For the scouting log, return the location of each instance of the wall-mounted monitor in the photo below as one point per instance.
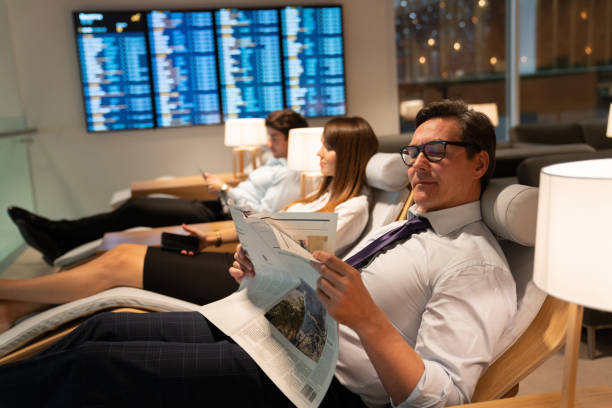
(165, 68)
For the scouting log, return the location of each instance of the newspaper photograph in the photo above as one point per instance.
(276, 316)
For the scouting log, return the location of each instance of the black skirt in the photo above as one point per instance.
(200, 279)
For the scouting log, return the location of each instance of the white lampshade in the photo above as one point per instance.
(609, 128)
(410, 108)
(489, 109)
(245, 132)
(573, 252)
(304, 143)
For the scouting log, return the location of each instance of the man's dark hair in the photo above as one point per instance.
(284, 120)
(476, 128)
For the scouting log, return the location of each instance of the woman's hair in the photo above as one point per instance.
(284, 120)
(354, 142)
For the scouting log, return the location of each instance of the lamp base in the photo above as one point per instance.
(238, 159)
(309, 181)
(572, 347)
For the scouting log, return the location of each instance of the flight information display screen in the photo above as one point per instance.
(250, 61)
(166, 68)
(182, 47)
(314, 60)
(115, 70)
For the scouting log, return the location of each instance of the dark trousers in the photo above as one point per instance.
(138, 211)
(153, 360)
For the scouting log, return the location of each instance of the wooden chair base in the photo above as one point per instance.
(49, 338)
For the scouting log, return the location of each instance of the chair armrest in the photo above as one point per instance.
(192, 187)
(152, 237)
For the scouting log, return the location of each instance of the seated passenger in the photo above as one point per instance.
(421, 307)
(268, 188)
(347, 146)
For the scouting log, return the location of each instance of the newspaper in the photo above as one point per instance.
(276, 316)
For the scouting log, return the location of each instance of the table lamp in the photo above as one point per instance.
(572, 250)
(410, 108)
(246, 136)
(489, 109)
(304, 143)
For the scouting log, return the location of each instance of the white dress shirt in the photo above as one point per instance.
(450, 294)
(268, 188)
(352, 217)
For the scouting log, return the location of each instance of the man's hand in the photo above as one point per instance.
(347, 300)
(213, 183)
(343, 293)
(242, 266)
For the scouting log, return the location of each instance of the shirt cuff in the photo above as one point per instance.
(431, 390)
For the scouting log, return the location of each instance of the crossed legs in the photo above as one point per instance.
(155, 359)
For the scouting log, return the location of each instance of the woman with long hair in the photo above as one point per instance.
(347, 146)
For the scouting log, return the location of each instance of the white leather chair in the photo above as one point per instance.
(503, 210)
(538, 328)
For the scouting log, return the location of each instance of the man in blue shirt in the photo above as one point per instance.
(268, 188)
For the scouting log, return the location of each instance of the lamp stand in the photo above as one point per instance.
(308, 182)
(238, 159)
(572, 347)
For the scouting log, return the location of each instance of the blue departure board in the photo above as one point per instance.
(314, 60)
(115, 70)
(167, 68)
(250, 62)
(184, 68)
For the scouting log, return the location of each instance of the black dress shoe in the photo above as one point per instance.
(39, 240)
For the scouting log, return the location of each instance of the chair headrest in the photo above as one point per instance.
(510, 211)
(387, 171)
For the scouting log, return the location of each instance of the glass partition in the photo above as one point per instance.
(565, 61)
(15, 179)
(450, 49)
(457, 49)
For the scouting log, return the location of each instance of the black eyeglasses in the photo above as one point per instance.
(433, 151)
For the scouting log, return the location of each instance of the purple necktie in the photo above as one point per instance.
(404, 231)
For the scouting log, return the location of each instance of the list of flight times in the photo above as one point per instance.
(314, 60)
(250, 61)
(182, 48)
(115, 70)
(161, 68)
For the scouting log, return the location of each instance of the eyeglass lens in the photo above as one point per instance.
(433, 151)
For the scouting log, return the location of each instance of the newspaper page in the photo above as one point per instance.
(276, 316)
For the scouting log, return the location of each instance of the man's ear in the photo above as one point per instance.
(481, 163)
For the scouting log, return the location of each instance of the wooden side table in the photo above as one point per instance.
(152, 237)
(591, 397)
(192, 187)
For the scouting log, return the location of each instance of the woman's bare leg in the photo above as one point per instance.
(121, 266)
(11, 310)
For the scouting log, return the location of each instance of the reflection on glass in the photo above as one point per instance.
(457, 50)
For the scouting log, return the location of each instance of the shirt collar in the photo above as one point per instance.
(273, 161)
(445, 221)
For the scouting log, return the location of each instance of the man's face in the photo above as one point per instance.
(277, 143)
(452, 181)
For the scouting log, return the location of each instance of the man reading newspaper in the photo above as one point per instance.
(420, 307)
(276, 317)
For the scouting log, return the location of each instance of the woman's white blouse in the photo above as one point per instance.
(352, 217)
